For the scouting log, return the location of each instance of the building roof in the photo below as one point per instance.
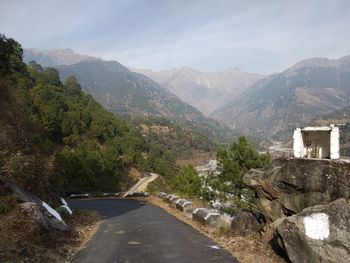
(326, 128)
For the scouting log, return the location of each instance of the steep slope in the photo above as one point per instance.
(56, 138)
(54, 57)
(273, 106)
(134, 95)
(124, 92)
(183, 138)
(206, 91)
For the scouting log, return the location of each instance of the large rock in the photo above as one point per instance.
(294, 184)
(43, 216)
(244, 223)
(36, 210)
(21, 196)
(32, 211)
(318, 234)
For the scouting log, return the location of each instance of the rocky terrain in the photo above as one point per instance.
(319, 233)
(33, 231)
(306, 202)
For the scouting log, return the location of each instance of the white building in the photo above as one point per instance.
(316, 142)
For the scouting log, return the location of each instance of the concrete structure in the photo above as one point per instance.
(316, 142)
(168, 198)
(163, 195)
(184, 205)
(173, 201)
(207, 217)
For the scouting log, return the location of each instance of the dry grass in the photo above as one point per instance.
(197, 158)
(21, 240)
(254, 248)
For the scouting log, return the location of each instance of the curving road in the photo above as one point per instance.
(142, 184)
(136, 232)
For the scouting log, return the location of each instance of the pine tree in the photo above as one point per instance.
(233, 164)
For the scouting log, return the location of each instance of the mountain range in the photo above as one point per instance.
(115, 86)
(54, 57)
(207, 91)
(251, 104)
(136, 96)
(275, 105)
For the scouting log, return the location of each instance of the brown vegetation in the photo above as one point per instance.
(21, 240)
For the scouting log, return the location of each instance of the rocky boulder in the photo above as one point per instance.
(291, 185)
(244, 223)
(36, 209)
(32, 211)
(44, 215)
(318, 234)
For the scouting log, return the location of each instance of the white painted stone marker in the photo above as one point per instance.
(52, 211)
(317, 226)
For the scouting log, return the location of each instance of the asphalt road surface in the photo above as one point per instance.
(133, 231)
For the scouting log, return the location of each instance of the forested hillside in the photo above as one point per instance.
(178, 137)
(124, 92)
(136, 96)
(54, 136)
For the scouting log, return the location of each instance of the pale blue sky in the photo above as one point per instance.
(255, 36)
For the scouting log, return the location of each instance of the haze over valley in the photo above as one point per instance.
(175, 131)
(256, 105)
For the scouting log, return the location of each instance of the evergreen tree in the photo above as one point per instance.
(233, 164)
(187, 182)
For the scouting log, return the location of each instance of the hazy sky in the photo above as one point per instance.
(256, 36)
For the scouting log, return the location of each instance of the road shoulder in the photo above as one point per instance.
(254, 248)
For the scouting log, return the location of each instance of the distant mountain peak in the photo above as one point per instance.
(54, 57)
(275, 105)
(51, 51)
(320, 62)
(203, 89)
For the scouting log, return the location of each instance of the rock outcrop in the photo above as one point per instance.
(43, 216)
(36, 210)
(318, 234)
(294, 184)
(244, 223)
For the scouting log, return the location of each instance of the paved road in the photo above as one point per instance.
(133, 231)
(142, 184)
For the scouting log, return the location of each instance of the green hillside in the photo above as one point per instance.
(136, 96)
(54, 136)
